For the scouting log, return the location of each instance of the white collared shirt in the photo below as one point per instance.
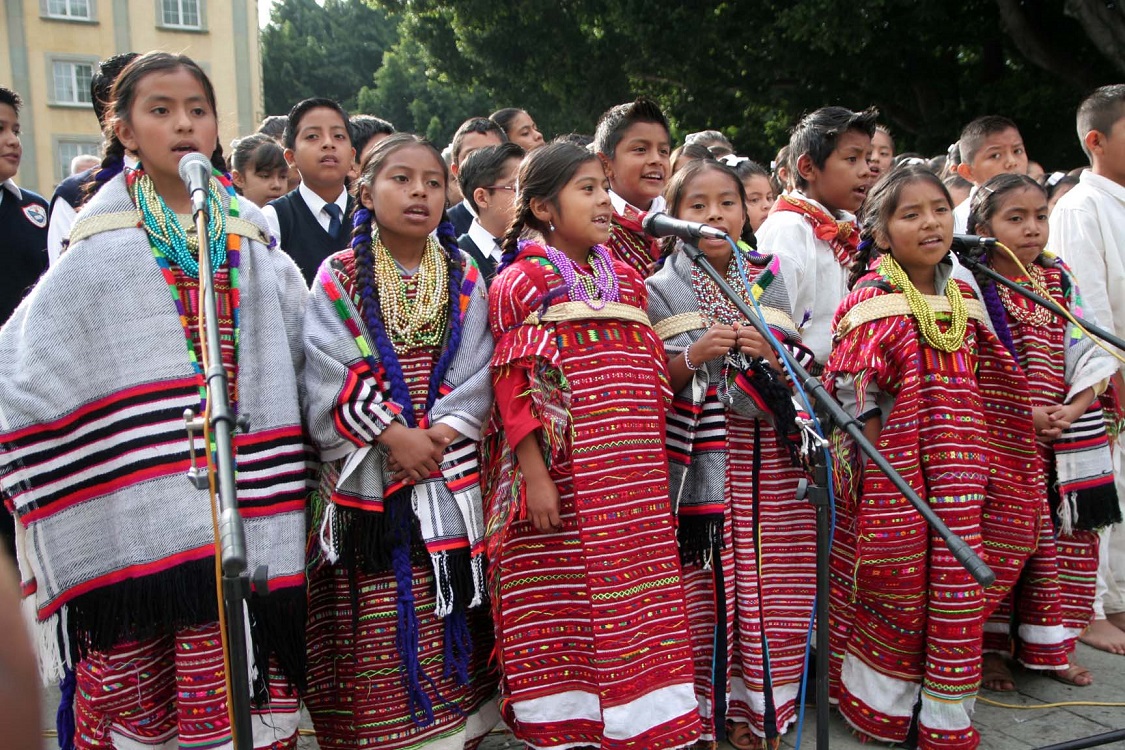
(816, 281)
(1088, 232)
(961, 213)
(59, 225)
(10, 186)
(484, 240)
(619, 204)
(316, 205)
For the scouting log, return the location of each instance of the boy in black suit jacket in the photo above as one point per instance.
(474, 133)
(488, 179)
(312, 222)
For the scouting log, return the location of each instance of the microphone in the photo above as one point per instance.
(660, 224)
(195, 171)
(970, 248)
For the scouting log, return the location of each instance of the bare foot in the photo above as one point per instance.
(1074, 674)
(1117, 619)
(1104, 636)
(995, 674)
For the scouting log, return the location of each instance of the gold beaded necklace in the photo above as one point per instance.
(419, 321)
(949, 341)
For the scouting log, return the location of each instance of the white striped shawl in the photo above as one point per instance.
(349, 406)
(694, 474)
(1083, 464)
(94, 380)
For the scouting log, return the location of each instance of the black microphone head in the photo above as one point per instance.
(191, 163)
(648, 219)
(969, 247)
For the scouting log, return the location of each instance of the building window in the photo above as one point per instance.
(72, 82)
(181, 14)
(70, 10)
(66, 150)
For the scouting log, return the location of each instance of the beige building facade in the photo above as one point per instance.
(52, 47)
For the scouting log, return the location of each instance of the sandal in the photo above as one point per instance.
(995, 674)
(741, 738)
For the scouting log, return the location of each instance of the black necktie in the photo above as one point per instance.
(334, 216)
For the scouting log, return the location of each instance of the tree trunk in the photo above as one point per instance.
(1104, 23)
(1037, 47)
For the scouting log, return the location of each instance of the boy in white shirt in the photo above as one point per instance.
(634, 143)
(1088, 232)
(813, 227)
(488, 181)
(989, 146)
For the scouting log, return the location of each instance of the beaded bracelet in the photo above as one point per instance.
(687, 360)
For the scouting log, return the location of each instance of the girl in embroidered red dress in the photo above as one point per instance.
(946, 404)
(586, 593)
(1066, 371)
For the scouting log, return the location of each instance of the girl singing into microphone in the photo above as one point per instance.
(943, 400)
(590, 618)
(748, 546)
(97, 368)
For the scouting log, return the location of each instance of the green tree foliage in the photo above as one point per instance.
(413, 91)
(752, 67)
(331, 51)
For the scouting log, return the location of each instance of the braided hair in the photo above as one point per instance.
(364, 222)
(398, 529)
(119, 110)
(543, 174)
(865, 253)
(881, 203)
(984, 205)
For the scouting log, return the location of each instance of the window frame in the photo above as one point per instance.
(52, 90)
(62, 170)
(47, 14)
(163, 23)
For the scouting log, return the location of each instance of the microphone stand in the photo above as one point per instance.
(830, 411)
(971, 253)
(218, 477)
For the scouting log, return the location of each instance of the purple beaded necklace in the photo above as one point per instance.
(595, 290)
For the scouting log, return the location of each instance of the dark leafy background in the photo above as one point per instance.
(749, 68)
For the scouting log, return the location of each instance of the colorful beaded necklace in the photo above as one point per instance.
(947, 341)
(594, 289)
(231, 253)
(417, 320)
(1027, 312)
(713, 304)
(165, 232)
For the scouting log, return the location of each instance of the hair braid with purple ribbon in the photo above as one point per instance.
(510, 244)
(372, 313)
(447, 236)
(998, 315)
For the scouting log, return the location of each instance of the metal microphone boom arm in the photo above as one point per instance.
(970, 252)
(836, 413)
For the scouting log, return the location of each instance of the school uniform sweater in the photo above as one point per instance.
(301, 234)
(461, 216)
(483, 249)
(23, 226)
